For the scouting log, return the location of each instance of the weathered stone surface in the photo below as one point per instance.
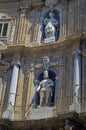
(41, 113)
(26, 16)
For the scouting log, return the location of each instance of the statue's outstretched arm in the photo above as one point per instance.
(38, 88)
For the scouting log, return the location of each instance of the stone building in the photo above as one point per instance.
(42, 64)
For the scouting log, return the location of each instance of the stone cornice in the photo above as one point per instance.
(30, 3)
(43, 122)
(36, 3)
(34, 48)
(9, 1)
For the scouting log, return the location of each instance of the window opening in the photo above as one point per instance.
(3, 29)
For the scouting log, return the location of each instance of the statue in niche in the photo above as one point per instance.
(45, 89)
(68, 125)
(51, 26)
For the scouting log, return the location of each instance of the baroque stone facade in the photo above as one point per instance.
(42, 65)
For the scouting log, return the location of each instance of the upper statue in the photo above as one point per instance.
(51, 24)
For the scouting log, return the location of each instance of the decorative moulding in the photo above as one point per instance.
(49, 3)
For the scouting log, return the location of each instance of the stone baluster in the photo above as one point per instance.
(9, 112)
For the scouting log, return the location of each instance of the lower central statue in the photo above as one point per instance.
(45, 89)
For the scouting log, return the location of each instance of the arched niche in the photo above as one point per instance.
(53, 75)
(45, 14)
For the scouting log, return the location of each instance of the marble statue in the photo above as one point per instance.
(68, 125)
(45, 89)
(51, 24)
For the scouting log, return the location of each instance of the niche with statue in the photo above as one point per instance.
(45, 86)
(50, 23)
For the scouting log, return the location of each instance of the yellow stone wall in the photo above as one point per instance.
(26, 17)
(27, 20)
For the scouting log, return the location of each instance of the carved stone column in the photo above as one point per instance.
(76, 82)
(9, 112)
(77, 77)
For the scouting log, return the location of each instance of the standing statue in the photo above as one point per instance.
(51, 25)
(68, 125)
(45, 88)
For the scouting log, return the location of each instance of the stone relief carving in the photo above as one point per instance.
(46, 62)
(4, 65)
(49, 3)
(59, 61)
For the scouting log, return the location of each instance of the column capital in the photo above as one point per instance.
(77, 51)
(32, 66)
(16, 60)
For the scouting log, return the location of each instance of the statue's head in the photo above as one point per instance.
(66, 121)
(51, 14)
(45, 74)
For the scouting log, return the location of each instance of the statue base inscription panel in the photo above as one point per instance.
(41, 113)
(48, 40)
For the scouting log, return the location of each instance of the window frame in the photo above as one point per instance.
(6, 39)
(2, 29)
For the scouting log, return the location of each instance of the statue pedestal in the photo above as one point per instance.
(75, 107)
(48, 40)
(8, 114)
(41, 113)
